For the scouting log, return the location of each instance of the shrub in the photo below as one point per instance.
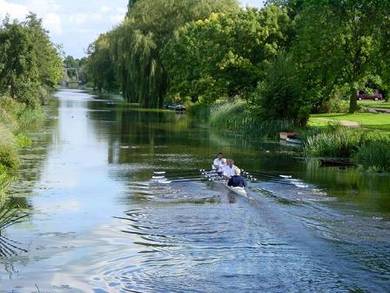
(198, 110)
(335, 105)
(279, 96)
(23, 140)
(30, 118)
(9, 157)
(374, 156)
(4, 181)
(230, 115)
(335, 141)
(368, 149)
(236, 116)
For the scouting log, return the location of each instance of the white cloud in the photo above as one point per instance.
(47, 10)
(13, 10)
(52, 21)
(81, 19)
(252, 3)
(105, 9)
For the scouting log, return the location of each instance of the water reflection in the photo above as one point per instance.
(98, 222)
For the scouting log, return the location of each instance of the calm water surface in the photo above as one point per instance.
(97, 222)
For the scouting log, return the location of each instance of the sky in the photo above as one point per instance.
(75, 24)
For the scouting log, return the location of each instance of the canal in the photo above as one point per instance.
(97, 221)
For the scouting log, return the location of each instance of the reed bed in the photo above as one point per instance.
(369, 149)
(236, 117)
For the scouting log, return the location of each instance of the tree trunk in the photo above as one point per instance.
(353, 106)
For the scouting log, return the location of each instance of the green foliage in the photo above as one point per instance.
(129, 57)
(236, 116)
(8, 150)
(19, 117)
(229, 115)
(200, 111)
(334, 142)
(289, 59)
(5, 179)
(374, 155)
(334, 105)
(369, 149)
(15, 120)
(340, 43)
(279, 95)
(100, 65)
(224, 55)
(23, 140)
(28, 60)
(9, 157)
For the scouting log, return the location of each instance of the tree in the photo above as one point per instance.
(28, 60)
(338, 44)
(47, 55)
(225, 55)
(100, 65)
(135, 46)
(18, 68)
(280, 95)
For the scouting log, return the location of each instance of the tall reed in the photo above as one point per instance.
(236, 117)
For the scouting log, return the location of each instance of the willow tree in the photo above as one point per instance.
(137, 43)
(100, 66)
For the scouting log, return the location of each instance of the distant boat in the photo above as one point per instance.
(180, 108)
(290, 137)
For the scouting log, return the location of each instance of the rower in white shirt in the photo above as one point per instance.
(219, 163)
(228, 170)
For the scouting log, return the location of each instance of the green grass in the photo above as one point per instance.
(366, 120)
(375, 104)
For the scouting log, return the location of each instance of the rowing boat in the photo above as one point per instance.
(214, 177)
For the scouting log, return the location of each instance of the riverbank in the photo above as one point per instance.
(16, 120)
(363, 138)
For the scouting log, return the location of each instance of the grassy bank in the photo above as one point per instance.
(368, 149)
(16, 119)
(365, 120)
(365, 138)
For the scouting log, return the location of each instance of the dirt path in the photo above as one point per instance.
(346, 123)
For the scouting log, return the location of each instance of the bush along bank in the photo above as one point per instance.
(368, 149)
(16, 120)
(235, 116)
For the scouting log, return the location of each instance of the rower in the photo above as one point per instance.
(228, 170)
(236, 180)
(219, 163)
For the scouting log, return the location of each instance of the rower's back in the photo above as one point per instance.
(237, 180)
